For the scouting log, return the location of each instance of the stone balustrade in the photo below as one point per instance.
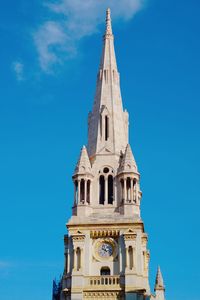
(103, 282)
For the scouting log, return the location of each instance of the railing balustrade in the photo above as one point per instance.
(103, 280)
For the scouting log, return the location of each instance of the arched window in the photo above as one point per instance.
(106, 128)
(110, 189)
(82, 190)
(101, 189)
(78, 256)
(130, 254)
(128, 185)
(105, 271)
(88, 191)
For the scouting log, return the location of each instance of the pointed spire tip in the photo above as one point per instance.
(108, 23)
(108, 11)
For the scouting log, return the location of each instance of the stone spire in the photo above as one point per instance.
(159, 284)
(83, 166)
(128, 164)
(108, 123)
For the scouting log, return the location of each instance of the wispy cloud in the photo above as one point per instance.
(58, 39)
(18, 68)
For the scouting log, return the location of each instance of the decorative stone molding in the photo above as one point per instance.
(78, 236)
(144, 240)
(146, 259)
(104, 233)
(103, 295)
(130, 235)
(98, 243)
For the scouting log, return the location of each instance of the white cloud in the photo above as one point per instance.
(18, 68)
(74, 19)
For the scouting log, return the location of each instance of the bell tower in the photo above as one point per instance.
(106, 253)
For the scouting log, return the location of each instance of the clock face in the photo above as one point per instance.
(105, 250)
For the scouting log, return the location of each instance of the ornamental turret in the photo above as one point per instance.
(82, 179)
(129, 179)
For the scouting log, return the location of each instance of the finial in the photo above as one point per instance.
(108, 22)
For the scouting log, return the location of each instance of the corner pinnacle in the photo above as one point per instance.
(159, 284)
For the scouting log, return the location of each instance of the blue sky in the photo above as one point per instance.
(50, 54)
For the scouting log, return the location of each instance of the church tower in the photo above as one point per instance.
(106, 254)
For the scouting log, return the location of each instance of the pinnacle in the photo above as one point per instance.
(159, 284)
(128, 163)
(83, 166)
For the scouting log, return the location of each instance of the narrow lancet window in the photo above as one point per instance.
(106, 128)
(78, 256)
(110, 189)
(82, 190)
(101, 189)
(130, 254)
(88, 191)
(128, 183)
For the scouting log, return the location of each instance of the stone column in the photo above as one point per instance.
(127, 258)
(125, 190)
(68, 261)
(81, 258)
(115, 189)
(85, 191)
(90, 192)
(79, 191)
(132, 190)
(75, 260)
(134, 263)
(75, 200)
(136, 192)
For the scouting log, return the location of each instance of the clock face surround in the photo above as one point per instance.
(105, 249)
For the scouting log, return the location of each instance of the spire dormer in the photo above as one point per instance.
(108, 123)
